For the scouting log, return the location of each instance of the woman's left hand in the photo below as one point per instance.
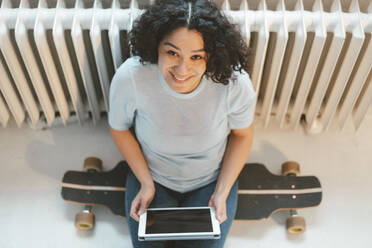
(218, 202)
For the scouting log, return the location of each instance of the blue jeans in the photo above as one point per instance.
(165, 197)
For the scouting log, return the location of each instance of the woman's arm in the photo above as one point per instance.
(130, 149)
(238, 148)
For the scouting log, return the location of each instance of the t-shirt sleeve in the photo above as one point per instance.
(240, 102)
(122, 99)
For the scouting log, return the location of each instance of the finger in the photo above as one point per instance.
(211, 201)
(134, 206)
(222, 220)
(134, 216)
(221, 213)
(142, 207)
(133, 210)
(222, 216)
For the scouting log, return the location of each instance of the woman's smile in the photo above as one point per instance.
(180, 79)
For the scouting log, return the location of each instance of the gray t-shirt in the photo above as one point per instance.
(182, 136)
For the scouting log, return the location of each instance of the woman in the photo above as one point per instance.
(187, 93)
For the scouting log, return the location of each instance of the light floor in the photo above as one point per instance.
(33, 214)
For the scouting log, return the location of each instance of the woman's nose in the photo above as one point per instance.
(182, 68)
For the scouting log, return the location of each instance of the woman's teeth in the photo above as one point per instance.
(181, 79)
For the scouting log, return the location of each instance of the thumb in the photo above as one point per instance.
(211, 202)
(142, 207)
(219, 214)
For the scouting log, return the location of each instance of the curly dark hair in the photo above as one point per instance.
(227, 51)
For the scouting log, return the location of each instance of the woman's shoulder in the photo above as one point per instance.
(240, 77)
(241, 82)
(134, 64)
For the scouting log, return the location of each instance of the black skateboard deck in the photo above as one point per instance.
(260, 192)
(97, 188)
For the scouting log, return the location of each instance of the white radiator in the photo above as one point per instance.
(307, 64)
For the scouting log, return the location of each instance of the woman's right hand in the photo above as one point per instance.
(142, 200)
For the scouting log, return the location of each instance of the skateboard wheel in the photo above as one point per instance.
(290, 168)
(93, 163)
(84, 220)
(296, 225)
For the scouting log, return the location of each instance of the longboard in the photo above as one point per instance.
(260, 192)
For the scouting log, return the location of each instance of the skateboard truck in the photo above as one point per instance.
(295, 224)
(84, 220)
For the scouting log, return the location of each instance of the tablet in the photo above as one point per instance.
(178, 224)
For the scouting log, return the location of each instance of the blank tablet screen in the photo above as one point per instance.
(178, 221)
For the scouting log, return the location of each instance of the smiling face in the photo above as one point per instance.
(182, 59)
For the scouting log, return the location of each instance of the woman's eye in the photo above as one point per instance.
(196, 57)
(171, 53)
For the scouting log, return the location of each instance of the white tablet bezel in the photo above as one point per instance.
(215, 234)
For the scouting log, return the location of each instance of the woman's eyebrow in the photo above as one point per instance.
(175, 47)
